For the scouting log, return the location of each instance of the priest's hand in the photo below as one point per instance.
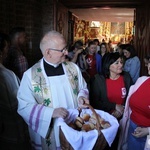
(81, 101)
(60, 112)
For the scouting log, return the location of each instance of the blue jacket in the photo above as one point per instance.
(98, 62)
(132, 65)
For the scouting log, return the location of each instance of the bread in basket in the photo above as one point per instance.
(94, 139)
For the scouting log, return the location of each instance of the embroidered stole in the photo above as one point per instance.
(42, 92)
(41, 88)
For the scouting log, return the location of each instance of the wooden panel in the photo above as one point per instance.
(99, 3)
(142, 34)
(62, 20)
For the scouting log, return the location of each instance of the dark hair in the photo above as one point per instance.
(91, 43)
(130, 48)
(122, 46)
(105, 44)
(109, 59)
(14, 31)
(78, 44)
(3, 39)
(96, 40)
(147, 57)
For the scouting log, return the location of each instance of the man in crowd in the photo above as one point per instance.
(16, 60)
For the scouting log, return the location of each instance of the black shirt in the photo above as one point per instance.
(53, 71)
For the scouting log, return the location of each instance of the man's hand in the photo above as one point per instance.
(60, 112)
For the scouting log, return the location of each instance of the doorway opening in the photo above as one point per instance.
(105, 23)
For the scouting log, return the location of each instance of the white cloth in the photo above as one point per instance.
(37, 116)
(86, 140)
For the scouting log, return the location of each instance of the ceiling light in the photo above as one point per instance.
(95, 24)
(106, 7)
(94, 8)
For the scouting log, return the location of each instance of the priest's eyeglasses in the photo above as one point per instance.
(62, 50)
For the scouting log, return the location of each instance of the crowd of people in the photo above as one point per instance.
(33, 98)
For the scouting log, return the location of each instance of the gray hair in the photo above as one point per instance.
(48, 39)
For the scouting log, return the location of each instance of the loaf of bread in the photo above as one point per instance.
(105, 124)
(86, 127)
(89, 122)
(79, 122)
(86, 117)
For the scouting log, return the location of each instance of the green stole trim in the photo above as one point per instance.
(41, 88)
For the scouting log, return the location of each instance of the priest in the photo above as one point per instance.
(48, 89)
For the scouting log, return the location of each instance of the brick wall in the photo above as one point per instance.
(37, 16)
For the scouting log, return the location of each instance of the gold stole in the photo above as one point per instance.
(41, 88)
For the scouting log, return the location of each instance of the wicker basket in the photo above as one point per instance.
(100, 143)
